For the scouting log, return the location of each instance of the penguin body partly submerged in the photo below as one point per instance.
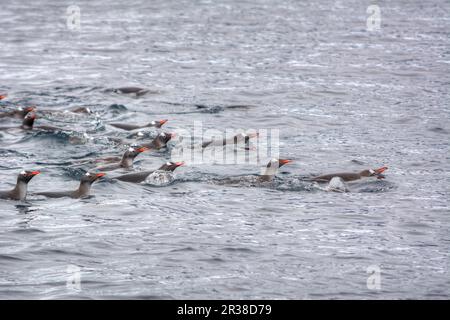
(351, 176)
(20, 190)
(83, 190)
(126, 161)
(138, 177)
(129, 127)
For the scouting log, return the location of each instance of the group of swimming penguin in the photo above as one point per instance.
(28, 116)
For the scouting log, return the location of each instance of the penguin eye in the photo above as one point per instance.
(23, 173)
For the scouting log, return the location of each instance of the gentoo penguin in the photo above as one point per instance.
(351, 176)
(239, 138)
(132, 91)
(20, 190)
(160, 141)
(18, 113)
(83, 190)
(127, 159)
(85, 110)
(141, 176)
(129, 127)
(267, 176)
(28, 124)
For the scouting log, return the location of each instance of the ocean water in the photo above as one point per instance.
(342, 96)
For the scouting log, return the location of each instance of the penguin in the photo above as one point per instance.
(131, 91)
(129, 127)
(18, 113)
(83, 190)
(20, 190)
(138, 177)
(351, 176)
(239, 138)
(28, 124)
(160, 141)
(267, 176)
(126, 161)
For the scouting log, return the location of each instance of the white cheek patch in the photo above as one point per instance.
(87, 174)
(371, 171)
(153, 122)
(130, 149)
(168, 163)
(23, 172)
(163, 134)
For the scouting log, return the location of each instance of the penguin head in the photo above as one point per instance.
(244, 137)
(158, 124)
(26, 110)
(277, 163)
(373, 172)
(133, 151)
(171, 166)
(28, 121)
(164, 137)
(26, 176)
(91, 177)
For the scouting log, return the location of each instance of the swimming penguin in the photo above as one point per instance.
(351, 176)
(239, 138)
(126, 161)
(138, 177)
(160, 141)
(84, 110)
(267, 176)
(20, 190)
(83, 190)
(132, 91)
(28, 124)
(129, 127)
(18, 113)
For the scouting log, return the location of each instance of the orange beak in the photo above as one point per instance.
(99, 175)
(142, 149)
(3, 96)
(380, 170)
(179, 163)
(285, 161)
(161, 122)
(34, 173)
(30, 109)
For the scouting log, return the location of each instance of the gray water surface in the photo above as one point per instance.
(343, 98)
